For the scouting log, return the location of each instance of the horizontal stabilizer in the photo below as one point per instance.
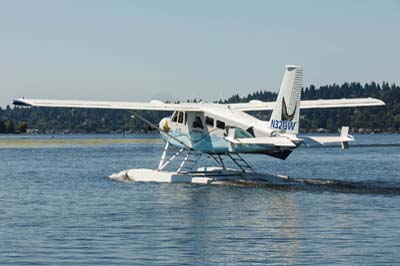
(344, 138)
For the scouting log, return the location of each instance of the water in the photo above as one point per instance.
(58, 207)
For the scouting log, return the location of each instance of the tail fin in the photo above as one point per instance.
(344, 135)
(285, 116)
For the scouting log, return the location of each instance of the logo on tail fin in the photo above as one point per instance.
(286, 119)
(285, 115)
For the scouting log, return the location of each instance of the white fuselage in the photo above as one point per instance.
(207, 131)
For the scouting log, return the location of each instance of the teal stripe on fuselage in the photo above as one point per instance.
(210, 143)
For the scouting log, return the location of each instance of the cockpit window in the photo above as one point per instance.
(175, 117)
(220, 124)
(197, 123)
(209, 121)
(180, 117)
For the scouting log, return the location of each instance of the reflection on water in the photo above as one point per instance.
(228, 225)
(59, 208)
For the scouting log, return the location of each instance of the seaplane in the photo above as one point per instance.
(224, 133)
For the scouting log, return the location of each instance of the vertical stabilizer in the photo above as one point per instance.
(344, 135)
(286, 113)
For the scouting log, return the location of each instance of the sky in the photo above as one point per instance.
(175, 50)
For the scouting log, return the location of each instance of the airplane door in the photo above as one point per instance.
(198, 131)
(196, 125)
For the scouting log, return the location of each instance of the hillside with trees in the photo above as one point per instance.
(368, 119)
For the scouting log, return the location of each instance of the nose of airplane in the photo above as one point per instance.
(164, 124)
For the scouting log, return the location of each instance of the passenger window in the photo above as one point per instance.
(209, 121)
(220, 124)
(197, 123)
(174, 117)
(180, 117)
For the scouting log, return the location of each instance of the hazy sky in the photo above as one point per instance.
(140, 50)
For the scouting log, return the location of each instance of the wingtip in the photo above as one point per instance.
(377, 102)
(20, 102)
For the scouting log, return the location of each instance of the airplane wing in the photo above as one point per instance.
(256, 105)
(152, 105)
(253, 105)
(355, 102)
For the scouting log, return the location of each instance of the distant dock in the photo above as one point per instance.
(54, 142)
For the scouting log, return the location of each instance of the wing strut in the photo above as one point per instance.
(160, 130)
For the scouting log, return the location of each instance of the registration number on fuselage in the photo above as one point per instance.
(285, 125)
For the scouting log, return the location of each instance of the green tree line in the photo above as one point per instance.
(366, 119)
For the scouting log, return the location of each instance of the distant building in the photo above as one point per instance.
(32, 131)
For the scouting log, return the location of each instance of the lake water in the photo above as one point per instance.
(58, 207)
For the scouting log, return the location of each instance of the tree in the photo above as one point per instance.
(22, 127)
(2, 127)
(9, 126)
(86, 120)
